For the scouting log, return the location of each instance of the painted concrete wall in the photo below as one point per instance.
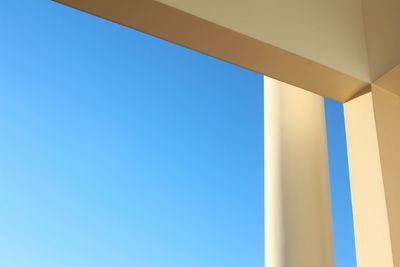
(298, 211)
(328, 32)
(373, 130)
(387, 116)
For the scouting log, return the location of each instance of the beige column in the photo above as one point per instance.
(373, 140)
(297, 197)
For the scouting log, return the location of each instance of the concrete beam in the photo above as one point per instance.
(197, 33)
(373, 130)
(297, 205)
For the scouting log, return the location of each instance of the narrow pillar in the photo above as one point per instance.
(297, 197)
(373, 141)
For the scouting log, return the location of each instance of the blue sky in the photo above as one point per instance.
(340, 186)
(120, 149)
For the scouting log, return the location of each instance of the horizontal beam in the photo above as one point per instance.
(187, 30)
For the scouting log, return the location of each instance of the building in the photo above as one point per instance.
(348, 51)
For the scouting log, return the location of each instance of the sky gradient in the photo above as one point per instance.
(120, 149)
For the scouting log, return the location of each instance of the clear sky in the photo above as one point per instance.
(340, 186)
(120, 149)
